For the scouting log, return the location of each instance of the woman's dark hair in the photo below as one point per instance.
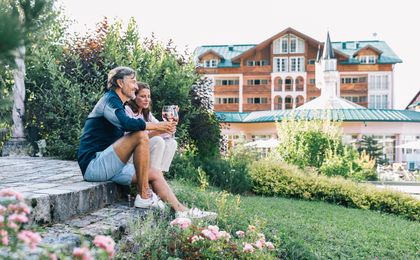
(133, 105)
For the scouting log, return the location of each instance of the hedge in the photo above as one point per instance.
(279, 179)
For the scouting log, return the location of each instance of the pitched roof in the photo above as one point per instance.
(210, 51)
(267, 42)
(227, 52)
(350, 48)
(232, 53)
(412, 101)
(349, 115)
(367, 47)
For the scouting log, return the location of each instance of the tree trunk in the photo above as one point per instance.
(19, 95)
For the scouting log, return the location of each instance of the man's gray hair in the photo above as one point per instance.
(116, 74)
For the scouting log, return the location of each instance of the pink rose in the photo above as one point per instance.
(83, 253)
(248, 248)
(259, 244)
(208, 234)
(11, 193)
(106, 243)
(30, 238)
(269, 245)
(183, 223)
(4, 237)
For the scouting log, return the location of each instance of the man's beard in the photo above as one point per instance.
(128, 94)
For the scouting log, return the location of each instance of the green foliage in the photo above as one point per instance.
(306, 143)
(369, 145)
(349, 164)
(318, 144)
(67, 75)
(22, 23)
(229, 173)
(275, 178)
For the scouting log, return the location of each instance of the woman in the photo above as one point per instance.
(162, 146)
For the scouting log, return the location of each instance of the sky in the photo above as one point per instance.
(191, 23)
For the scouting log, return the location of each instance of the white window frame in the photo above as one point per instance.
(297, 64)
(212, 63)
(284, 44)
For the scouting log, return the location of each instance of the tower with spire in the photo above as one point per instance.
(327, 79)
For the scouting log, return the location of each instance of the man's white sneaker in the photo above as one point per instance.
(152, 202)
(196, 213)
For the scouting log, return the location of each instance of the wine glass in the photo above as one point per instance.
(176, 116)
(168, 113)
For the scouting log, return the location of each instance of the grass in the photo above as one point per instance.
(316, 230)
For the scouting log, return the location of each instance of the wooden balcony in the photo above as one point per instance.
(257, 88)
(256, 107)
(226, 107)
(226, 89)
(257, 69)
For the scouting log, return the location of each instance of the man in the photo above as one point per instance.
(104, 149)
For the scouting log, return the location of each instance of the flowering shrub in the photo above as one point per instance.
(194, 242)
(16, 241)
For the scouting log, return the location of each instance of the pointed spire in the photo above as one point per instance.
(318, 54)
(328, 52)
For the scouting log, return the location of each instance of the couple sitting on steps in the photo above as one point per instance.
(105, 150)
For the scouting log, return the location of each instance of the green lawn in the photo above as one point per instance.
(318, 230)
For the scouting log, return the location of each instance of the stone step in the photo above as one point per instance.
(55, 189)
(112, 220)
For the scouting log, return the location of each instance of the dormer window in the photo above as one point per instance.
(367, 59)
(288, 44)
(210, 63)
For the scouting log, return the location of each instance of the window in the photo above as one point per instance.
(226, 100)
(257, 100)
(356, 99)
(353, 80)
(284, 45)
(288, 44)
(210, 63)
(293, 43)
(297, 45)
(253, 63)
(378, 101)
(288, 84)
(378, 82)
(367, 59)
(260, 137)
(296, 64)
(227, 82)
(311, 61)
(288, 102)
(254, 82)
(312, 81)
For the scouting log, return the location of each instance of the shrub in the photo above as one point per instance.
(306, 143)
(276, 178)
(318, 144)
(66, 76)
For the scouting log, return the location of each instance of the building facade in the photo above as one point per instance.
(279, 73)
(292, 75)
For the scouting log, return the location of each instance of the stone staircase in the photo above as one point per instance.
(55, 189)
(68, 208)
